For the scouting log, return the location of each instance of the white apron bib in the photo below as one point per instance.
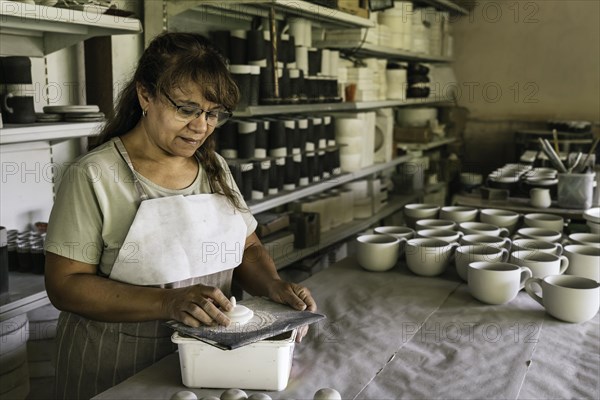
(176, 238)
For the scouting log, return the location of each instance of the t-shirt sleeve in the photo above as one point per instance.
(75, 224)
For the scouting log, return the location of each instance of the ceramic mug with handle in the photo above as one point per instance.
(568, 298)
(540, 263)
(540, 245)
(481, 228)
(488, 240)
(545, 221)
(459, 214)
(467, 254)
(583, 261)
(501, 218)
(496, 282)
(428, 257)
(377, 253)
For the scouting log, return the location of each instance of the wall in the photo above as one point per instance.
(530, 59)
(521, 63)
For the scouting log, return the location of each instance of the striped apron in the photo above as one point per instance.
(179, 241)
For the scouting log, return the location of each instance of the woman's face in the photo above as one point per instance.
(172, 133)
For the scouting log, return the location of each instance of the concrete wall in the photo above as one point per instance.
(521, 63)
(530, 59)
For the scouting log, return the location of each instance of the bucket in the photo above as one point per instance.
(575, 190)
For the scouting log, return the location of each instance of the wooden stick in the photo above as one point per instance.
(555, 136)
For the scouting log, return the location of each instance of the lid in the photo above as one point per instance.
(239, 314)
(270, 319)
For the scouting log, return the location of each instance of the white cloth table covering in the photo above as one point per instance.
(395, 335)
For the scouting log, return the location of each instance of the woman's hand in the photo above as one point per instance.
(296, 296)
(197, 305)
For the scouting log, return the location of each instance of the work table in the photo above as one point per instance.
(393, 334)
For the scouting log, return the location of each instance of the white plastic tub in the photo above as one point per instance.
(264, 365)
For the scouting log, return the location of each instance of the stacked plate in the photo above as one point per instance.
(592, 217)
(43, 117)
(77, 113)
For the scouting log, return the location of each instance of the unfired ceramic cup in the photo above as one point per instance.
(470, 228)
(586, 239)
(416, 211)
(487, 240)
(540, 245)
(541, 264)
(496, 282)
(467, 254)
(501, 218)
(540, 234)
(545, 221)
(583, 261)
(428, 257)
(568, 298)
(396, 231)
(435, 224)
(377, 252)
(459, 213)
(446, 235)
(421, 211)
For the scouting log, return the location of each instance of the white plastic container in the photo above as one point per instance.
(264, 365)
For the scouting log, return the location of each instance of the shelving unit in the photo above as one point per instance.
(36, 31)
(21, 133)
(333, 236)
(334, 181)
(32, 30)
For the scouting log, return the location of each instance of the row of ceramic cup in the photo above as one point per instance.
(495, 267)
(501, 218)
(430, 256)
(493, 280)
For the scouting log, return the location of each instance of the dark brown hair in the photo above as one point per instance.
(176, 60)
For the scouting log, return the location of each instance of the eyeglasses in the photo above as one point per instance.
(214, 118)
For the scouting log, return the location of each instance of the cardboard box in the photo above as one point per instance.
(269, 223)
(360, 8)
(413, 134)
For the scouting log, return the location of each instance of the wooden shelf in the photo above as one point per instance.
(23, 133)
(34, 31)
(372, 50)
(336, 180)
(342, 232)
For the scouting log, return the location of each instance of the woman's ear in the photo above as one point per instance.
(144, 96)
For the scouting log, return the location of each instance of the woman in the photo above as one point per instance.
(149, 226)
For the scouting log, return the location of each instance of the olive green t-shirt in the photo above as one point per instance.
(97, 201)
